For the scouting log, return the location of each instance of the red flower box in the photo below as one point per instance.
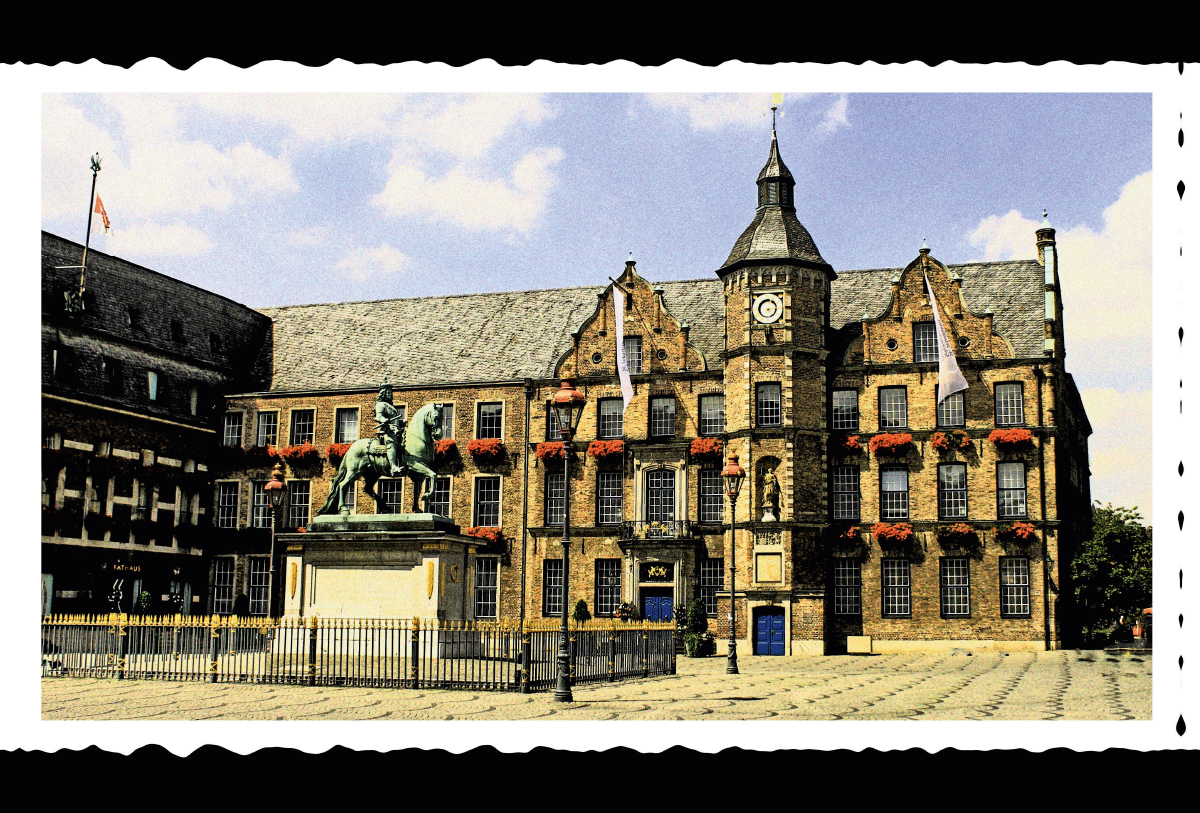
(1011, 439)
(954, 440)
(1022, 532)
(894, 533)
(601, 449)
(550, 450)
(846, 445)
(851, 534)
(446, 447)
(491, 535)
(486, 450)
(335, 452)
(262, 456)
(707, 447)
(891, 443)
(960, 533)
(301, 455)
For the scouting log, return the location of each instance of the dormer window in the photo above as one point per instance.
(177, 331)
(133, 318)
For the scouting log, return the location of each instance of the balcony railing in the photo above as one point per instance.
(662, 529)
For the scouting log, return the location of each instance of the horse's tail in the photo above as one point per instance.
(335, 488)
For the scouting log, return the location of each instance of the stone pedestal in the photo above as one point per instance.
(378, 566)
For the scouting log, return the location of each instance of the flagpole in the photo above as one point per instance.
(87, 240)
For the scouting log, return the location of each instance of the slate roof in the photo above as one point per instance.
(774, 168)
(774, 234)
(476, 338)
(1014, 290)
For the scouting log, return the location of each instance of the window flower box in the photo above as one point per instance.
(490, 535)
(955, 440)
(334, 453)
(892, 443)
(486, 450)
(707, 448)
(606, 449)
(552, 450)
(446, 448)
(446, 458)
(897, 533)
(959, 534)
(851, 534)
(260, 456)
(300, 456)
(1018, 533)
(846, 445)
(1011, 440)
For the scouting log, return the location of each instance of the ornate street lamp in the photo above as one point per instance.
(568, 407)
(277, 497)
(733, 475)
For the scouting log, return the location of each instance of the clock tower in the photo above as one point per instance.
(777, 295)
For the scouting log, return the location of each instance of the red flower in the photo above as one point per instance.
(601, 449)
(846, 445)
(851, 533)
(1011, 438)
(891, 443)
(889, 532)
(706, 447)
(959, 532)
(445, 447)
(551, 450)
(487, 534)
(301, 454)
(486, 449)
(947, 441)
(336, 451)
(1017, 532)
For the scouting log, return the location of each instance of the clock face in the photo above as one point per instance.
(768, 308)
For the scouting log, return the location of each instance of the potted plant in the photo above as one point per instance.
(892, 533)
(486, 450)
(1011, 440)
(955, 440)
(550, 450)
(490, 535)
(892, 443)
(697, 643)
(707, 448)
(960, 534)
(1018, 533)
(603, 450)
(628, 611)
(581, 614)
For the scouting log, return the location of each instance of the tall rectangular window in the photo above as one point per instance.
(260, 514)
(712, 414)
(222, 585)
(609, 487)
(660, 494)
(447, 421)
(490, 421)
(555, 498)
(231, 434)
(439, 498)
(345, 428)
(258, 571)
(712, 496)
(487, 502)
(893, 497)
(1010, 490)
(845, 409)
(633, 354)
(897, 588)
(487, 587)
(662, 416)
(1014, 586)
(952, 491)
(608, 586)
(956, 586)
(227, 505)
(611, 418)
(113, 377)
(552, 587)
(553, 430)
(712, 579)
(769, 405)
(925, 342)
(950, 411)
(391, 494)
(847, 587)
(299, 493)
(267, 429)
(1010, 404)
(847, 497)
(153, 390)
(893, 407)
(303, 421)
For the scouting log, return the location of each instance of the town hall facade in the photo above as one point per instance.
(870, 509)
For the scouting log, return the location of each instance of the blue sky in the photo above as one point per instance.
(284, 199)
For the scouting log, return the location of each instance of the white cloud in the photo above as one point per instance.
(463, 196)
(312, 236)
(835, 116)
(1118, 449)
(365, 263)
(1105, 275)
(155, 240)
(711, 111)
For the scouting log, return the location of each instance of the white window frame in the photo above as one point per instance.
(479, 404)
(475, 499)
(846, 488)
(925, 348)
(1003, 404)
(610, 593)
(222, 604)
(338, 411)
(847, 587)
(385, 484)
(603, 518)
(237, 499)
(674, 416)
(258, 427)
(1015, 588)
(711, 493)
(710, 426)
(949, 498)
(552, 602)
(895, 574)
(839, 421)
(487, 593)
(225, 426)
(768, 413)
(449, 494)
(291, 436)
(605, 423)
(954, 578)
(292, 504)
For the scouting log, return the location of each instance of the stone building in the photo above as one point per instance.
(822, 382)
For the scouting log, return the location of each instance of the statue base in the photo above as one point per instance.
(326, 523)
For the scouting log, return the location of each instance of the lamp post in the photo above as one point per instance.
(568, 407)
(277, 496)
(733, 475)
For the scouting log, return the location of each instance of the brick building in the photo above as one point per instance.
(796, 368)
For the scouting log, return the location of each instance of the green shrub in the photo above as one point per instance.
(581, 614)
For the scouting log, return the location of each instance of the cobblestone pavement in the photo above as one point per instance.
(952, 685)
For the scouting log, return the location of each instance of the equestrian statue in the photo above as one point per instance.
(372, 458)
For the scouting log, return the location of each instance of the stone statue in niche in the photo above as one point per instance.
(770, 497)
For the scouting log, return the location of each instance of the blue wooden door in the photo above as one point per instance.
(769, 632)
(658, 608)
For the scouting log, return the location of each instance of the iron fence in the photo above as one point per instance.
(386, 653)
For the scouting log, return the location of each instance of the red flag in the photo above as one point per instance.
(103, 216)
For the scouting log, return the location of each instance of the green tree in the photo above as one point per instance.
(581, 614)
(1112, 570)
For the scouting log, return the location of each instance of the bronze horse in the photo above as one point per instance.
(367, 458)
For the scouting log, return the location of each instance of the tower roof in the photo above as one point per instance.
(775, 168)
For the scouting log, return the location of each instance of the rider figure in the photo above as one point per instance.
(389, 427)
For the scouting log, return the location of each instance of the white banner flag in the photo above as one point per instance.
(622, 362)
(950, 378)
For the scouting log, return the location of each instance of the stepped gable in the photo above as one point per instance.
(1012, 289)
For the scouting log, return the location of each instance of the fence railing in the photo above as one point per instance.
(314, 651)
